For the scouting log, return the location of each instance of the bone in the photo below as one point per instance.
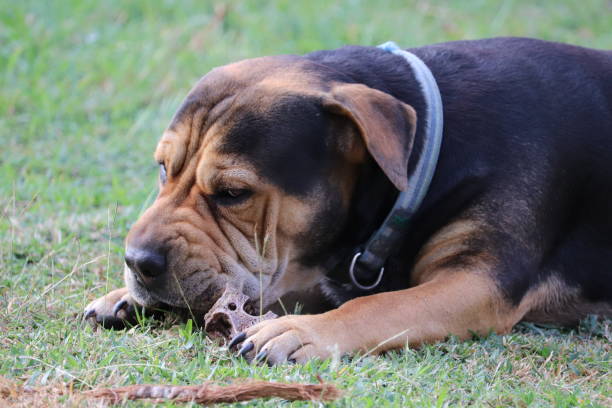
(228, 316)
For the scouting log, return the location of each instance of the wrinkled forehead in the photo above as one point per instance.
(277, 74)
(264, 111)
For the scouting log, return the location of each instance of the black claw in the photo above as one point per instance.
(89, 313)
(120, 305)
(261, 355)
(239, 338)
(246, 348)
(292, 360)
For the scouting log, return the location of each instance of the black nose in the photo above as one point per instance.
(146, 262)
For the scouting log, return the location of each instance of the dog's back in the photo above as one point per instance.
(538, 115)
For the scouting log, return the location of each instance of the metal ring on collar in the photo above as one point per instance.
(359, 285)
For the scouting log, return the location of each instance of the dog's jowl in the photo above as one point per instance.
(276, 172)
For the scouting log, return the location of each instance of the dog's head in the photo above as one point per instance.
(257, 170)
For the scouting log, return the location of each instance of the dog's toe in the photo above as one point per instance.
(116, 310)
(289, 339)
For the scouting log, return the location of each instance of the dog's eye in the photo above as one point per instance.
(163, 176)
(234, 193)
(231, 196)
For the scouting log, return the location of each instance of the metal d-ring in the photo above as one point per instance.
(359, 285)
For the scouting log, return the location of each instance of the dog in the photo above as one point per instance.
(276, 171)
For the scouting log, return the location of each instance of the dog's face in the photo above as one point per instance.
(257, 171)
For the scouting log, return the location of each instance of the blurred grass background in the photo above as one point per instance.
(87, 87)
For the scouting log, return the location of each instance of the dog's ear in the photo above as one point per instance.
(386, 126)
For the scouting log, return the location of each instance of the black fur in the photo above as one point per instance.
(286, 145)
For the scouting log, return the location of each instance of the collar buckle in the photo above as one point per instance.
(354, 279)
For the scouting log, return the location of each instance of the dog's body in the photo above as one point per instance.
(279, 167)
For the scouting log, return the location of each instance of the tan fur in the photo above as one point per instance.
(457, 303)
(449, 242)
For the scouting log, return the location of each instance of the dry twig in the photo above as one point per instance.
(211, 393)
(205, 394)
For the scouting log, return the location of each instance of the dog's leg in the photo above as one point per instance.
(457, 302)
(112, 311)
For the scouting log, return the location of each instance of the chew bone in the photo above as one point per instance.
(228, 316)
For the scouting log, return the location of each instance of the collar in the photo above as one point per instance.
(367, 265)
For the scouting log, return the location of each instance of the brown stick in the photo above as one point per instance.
(211, 393)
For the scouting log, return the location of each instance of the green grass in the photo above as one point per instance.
(86, 88)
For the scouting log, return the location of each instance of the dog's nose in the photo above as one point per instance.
(146, 262)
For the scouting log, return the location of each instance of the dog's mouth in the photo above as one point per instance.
(192, 293)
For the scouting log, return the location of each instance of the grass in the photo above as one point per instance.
(86, 88)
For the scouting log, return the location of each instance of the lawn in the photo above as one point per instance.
(86, 88)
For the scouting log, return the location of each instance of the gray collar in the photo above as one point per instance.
(367, 266)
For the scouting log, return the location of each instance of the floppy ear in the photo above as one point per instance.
(386, 125)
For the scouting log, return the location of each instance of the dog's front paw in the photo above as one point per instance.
(116, 310)
(291, 338)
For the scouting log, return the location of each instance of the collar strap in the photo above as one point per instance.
(367, 266)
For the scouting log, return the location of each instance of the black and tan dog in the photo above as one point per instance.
(275, 169)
